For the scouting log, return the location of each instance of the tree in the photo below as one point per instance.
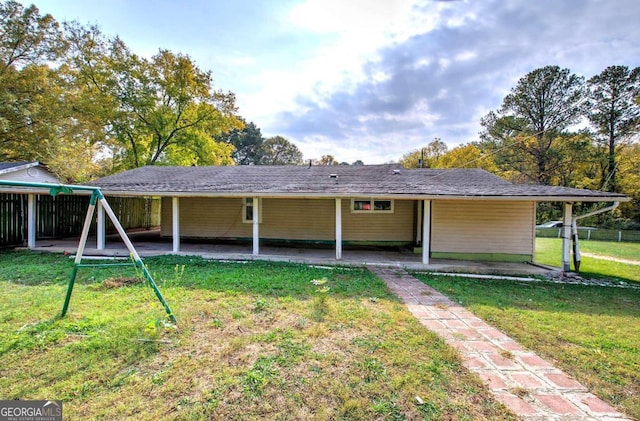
(158, 111)
(247, 143)
(466, 156)
(425, 157)
(614, 114)
(327, 160)
(279, 151)
(30, 92)
(358, 162)
(526, 131)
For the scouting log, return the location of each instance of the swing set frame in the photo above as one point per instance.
(96, 197)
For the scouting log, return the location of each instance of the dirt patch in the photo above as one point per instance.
(612, 259)
(120, 282)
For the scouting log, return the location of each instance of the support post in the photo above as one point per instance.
(419, 223)
(101, 228)
(31, 221)
(256, 226)
(426, 232)
(566, 237)
(338, 229)
(175, 212)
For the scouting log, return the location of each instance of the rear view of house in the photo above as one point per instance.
(465, 214)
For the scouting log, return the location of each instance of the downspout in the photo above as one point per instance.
(574, 232)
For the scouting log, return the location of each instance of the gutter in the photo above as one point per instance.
(574, 231)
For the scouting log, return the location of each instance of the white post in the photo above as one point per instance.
(31, 221)
(175, 213)
(426, 232)
(256, 226)
(85, 232)
(566, 237)
(418, 223)
(100, 229)
(338, 228)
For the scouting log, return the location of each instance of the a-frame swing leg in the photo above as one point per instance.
(95, 196)
(136, 258)
(81, 246)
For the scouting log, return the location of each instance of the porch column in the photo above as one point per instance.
(338, 229)
(31, 221)
(418, 223)
(256, 226)
(100, 229)
(566, 237)
(175, 213)
(426, 232)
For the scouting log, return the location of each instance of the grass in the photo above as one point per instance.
(549, 251)
(590, 332)
(255, 340)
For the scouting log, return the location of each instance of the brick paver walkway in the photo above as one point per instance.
(530, 386)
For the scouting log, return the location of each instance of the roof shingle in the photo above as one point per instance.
(339, 180)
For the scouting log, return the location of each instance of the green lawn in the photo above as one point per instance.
(549, 251)
(590, 332)
(254, 341)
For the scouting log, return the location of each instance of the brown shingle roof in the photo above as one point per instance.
(338, 180)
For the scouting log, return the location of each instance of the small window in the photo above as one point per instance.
(247, 210)
(372, 206)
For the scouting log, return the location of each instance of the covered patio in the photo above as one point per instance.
(150, 243)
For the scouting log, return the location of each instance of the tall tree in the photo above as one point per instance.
(247, 143)
(614, 114)
(279, 151)
(30, 91)
(158, 111)
(528, 128)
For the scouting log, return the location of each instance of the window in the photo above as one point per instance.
(247, 210)
(371, 205)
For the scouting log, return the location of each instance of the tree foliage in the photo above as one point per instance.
(247, 142)
(614, 115)
(279, 151)
(426, 157)
(527, 132)
(161, 110)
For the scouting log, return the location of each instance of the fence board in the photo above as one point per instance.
(63, 216)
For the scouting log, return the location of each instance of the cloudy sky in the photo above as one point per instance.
(370, 79)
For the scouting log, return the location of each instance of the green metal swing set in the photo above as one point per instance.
(96, 196)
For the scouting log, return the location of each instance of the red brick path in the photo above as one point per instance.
(530, 386)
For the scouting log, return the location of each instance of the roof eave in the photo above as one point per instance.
(397, 196)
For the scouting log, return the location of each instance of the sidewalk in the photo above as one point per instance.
(528, 385)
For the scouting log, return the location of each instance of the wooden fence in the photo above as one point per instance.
(63, 216)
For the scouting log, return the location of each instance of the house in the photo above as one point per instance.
(465, 214)
(18, 206)
(26, 171)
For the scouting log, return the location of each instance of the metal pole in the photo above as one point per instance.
(338, 228)
(136, 258)
(81, 245)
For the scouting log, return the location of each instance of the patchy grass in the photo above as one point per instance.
(549, 252)
(590, 332)
(256, 340)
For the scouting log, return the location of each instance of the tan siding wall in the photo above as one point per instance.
(298, 219)
(205, 217)
(396, 226)
(294, 219)
(482, 227)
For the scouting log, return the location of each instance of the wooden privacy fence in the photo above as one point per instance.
(63, 216)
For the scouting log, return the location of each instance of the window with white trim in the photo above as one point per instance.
(247, 210)
(371, 206)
